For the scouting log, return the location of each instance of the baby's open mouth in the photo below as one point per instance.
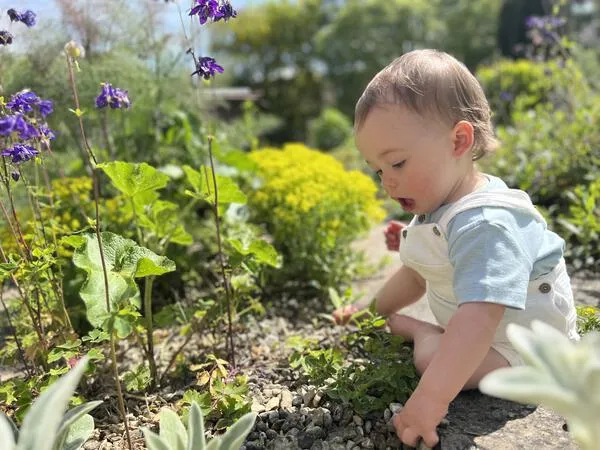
(406, 203)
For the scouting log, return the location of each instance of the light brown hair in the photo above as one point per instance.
(432, 84)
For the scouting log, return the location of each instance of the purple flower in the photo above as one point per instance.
(9, 124)
(547, 22)
(14, 15)
(28, 17)
(225, 12)
(115, 97)
(47, 132)
(205, 9)
(46, 107)
(207, 67)
(20, 153)
(5, 38)
(23, 101)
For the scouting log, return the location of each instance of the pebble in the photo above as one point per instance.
(91, 445)
(308, 396)
(273, 403)
(357, 420)
(317, 399)
(367, 443)
(286, 399)
(395, 407)
(257, 407)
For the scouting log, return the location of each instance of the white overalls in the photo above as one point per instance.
(424, 248)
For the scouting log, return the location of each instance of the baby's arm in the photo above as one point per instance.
(462, 349)
(402, 289)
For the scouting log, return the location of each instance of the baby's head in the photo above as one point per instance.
(420, 123)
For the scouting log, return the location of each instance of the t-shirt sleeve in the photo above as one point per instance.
(490, 266)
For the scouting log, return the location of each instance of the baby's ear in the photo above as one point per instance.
(464, 138)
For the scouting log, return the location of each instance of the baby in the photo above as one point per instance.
(480, 252)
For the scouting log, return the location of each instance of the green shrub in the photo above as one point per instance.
(588, 319)
(554, 155)
(314, 209)
(582, 225)
(522, 84)
(330, 130)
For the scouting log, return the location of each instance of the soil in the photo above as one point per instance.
(294, 415)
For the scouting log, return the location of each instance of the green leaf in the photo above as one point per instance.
(138, 379)
(6, 269)
(262, 251)
(71, 417)
(134, 178)
(196, 440)
(7, 436)
(215, 444)
(78, 433)
(42, 421)
(125, 260)
(153, 440)
(172, 431)
(163, 219)
(204, 187)
(234, 437)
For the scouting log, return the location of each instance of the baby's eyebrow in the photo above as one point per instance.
(388, 150)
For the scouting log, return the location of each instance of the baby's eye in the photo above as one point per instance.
(398, 165)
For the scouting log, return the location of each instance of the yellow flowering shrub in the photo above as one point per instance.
(314, 208)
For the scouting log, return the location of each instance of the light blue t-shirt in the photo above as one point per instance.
(497, 251)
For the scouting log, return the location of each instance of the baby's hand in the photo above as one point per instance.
(392, 235)
(419, 419)
(342, 315)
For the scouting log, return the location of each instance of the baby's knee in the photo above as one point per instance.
(422, 358)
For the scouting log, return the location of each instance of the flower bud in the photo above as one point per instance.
(74, 50)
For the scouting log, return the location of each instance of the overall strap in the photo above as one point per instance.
(511, 198)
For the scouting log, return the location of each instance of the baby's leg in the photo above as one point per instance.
(426, 337)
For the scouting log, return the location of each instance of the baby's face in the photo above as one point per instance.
(414, 157)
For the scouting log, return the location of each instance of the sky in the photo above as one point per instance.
(47, 9)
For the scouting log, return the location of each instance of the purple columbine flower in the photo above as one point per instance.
(28, 17)
(548, 22)
(14, 15)
(20, 153)
(205, 9)
(5, 37)
(225, 12)
(207, 67)
(9, 124)
(47, 132)
(46, 107)
(115, 97)
(23, 101)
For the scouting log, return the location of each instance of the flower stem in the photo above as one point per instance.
(97, 227)
(148, 282)
(14, 332)
(222, 258)
(111, 148)
(13, 210)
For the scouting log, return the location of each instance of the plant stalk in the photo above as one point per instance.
(97, 227)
